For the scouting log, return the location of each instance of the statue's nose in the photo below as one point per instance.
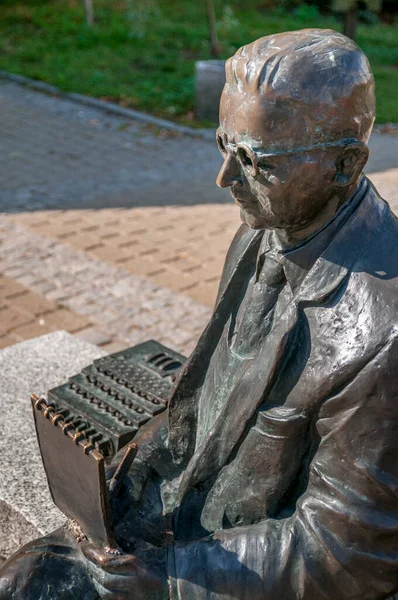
(229, 172)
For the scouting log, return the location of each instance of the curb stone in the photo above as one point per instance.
(40, 86)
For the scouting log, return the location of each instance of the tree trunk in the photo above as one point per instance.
(350, 21)
(88, 5)
(211, 19)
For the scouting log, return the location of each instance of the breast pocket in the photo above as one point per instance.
(281, 421)
(257, 482)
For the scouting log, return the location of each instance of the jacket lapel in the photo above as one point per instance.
(336, 262)
(183, 403)
(327, 275)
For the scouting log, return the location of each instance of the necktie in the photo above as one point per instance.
(254, 317)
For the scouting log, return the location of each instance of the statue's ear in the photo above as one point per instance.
(350, 163)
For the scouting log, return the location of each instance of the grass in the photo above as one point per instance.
(142, 53)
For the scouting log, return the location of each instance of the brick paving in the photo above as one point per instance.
(25, 314)
(173, 246)
(103, 303)
(113, 230)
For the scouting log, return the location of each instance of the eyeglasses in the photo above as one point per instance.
(254, 160)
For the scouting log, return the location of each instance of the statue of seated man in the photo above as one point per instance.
(274, 473)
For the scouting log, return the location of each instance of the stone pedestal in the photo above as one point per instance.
(26, 508)
(209, 83)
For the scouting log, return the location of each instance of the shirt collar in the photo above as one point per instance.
(298, 261)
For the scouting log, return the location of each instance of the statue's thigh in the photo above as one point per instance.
(48, 568)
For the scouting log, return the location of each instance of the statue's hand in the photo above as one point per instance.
(135, 481)
(150, 442)
(139, 576)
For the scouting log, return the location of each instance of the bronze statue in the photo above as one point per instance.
(273, 474)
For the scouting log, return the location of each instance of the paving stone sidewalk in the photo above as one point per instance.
(25, 314)
(114, 229)
(176, 247)
(57, 154)
(119, 306)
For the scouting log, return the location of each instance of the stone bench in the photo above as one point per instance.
(34, 366)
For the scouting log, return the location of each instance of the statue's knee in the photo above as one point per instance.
(48, 569)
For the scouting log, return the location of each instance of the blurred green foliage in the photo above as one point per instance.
(142, 54)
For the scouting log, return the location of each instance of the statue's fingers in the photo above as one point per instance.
(137, 479)
(112, 592)
(110, 585)
(102, 561)
(139, 482)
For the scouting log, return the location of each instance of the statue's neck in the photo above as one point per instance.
(289, 238)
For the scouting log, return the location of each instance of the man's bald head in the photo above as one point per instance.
(304, 87)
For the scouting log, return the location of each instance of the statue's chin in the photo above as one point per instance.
(254, 222)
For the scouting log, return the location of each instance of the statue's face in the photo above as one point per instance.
(278, 179)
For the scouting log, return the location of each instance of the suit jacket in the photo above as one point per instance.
(300, 470)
